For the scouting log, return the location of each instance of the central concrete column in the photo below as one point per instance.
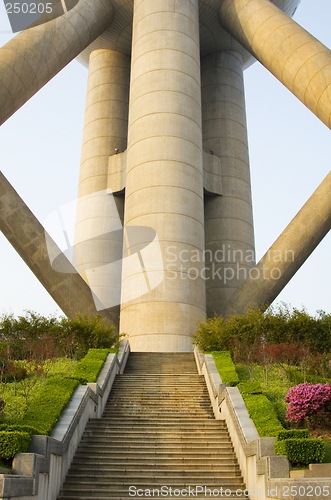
(163, 292)
(229, 228)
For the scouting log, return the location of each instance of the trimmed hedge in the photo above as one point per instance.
(301, 451)
(226, 367)
(250, 388)
(46, 408)
(13, 442)
(89, 367)
(260, 409)
(293, 434)
(263, 415)
(21, 428)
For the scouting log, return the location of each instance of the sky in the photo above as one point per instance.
(290, 151)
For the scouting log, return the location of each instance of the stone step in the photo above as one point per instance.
(146, 456)
(171, 421)
(124, 495)
(158, 429)
(154, 464)
(119, 496)
(155, 440)
(156, 402)
(173, 460)
(181, 482)
(155, 389)
(161, 448)
(173, 472)
(156, 412)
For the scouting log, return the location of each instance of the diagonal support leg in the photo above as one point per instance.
(290, 53)
(34, 56)
(26, 234)
(287, 254)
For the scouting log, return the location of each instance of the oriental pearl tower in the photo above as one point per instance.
(165, 164)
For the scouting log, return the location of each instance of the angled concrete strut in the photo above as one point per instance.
(290, 53)
(287, 254)
(26, 234)
(34, 56)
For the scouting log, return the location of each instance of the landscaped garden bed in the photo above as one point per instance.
(42, 362)
(281, 363)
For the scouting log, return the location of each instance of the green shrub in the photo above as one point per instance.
(89, 332)
(293, 434)
(13, 442)
(89, 367)
(250, 388)
(21, 428)
(276, 325)
(301, 451)
(263, 414)
(226, 367)
(48, 404)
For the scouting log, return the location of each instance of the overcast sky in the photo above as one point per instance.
(290, 151)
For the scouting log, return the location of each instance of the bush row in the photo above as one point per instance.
(301, 451)
(46, 407)
(274, 326)
(258, 405)
(89, 367)
(226, 367)
(295, 443)
(260, 409)
(13, 442)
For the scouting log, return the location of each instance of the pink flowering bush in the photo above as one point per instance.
(311, 403)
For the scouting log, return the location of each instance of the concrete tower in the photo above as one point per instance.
(164, 226)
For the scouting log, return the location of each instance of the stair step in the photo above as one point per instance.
(219, 465)
(158, 429)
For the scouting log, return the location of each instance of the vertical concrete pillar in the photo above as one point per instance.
(164, 182)
(99, 235)
(228, 218)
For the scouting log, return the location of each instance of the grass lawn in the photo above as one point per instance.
(16, 395)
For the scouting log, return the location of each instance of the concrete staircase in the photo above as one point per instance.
(158, 429)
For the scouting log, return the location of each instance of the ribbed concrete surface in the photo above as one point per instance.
(294, 56)
(34, 56)
(164, 181)
(229, 232)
